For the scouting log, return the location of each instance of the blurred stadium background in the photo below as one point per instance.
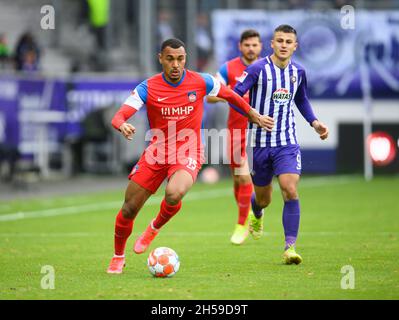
(59, 87)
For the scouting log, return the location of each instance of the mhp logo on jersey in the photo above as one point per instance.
(192, 96)
(177, 111)
(282, 96)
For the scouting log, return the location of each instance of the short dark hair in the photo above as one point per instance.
(173, 43)
(249, 33)
(285, 28)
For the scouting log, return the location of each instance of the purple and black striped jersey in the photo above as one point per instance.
(273, 91)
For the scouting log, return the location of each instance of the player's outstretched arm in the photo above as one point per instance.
(262, 121)
(119, 121)
(240, 105)
(321, 129)
(211, 99)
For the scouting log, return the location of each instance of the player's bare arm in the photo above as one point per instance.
(321, 129)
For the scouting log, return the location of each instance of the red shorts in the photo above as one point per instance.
(151, 175)
(236, 147)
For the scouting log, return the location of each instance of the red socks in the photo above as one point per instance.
(123, 229)
(243, 194)
(165, 214)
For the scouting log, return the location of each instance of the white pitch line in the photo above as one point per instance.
(112, 205)
(196, 234)
(155, 200)
(47, 235)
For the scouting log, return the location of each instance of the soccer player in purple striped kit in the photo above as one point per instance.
(275, 84)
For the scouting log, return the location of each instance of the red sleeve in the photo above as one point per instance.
(236, 101)
(124, 113)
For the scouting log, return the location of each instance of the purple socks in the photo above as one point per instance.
(258, 211)
(291, 215)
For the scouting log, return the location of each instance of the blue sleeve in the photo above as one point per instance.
(248, 79)
(302, 101)
(223, 72)
(208, 81)
(142, 91)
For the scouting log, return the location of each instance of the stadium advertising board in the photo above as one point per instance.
(329, 52)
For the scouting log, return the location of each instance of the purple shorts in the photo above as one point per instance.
(273, 161)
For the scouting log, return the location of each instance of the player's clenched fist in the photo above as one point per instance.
(262, 121)
(127, 130)
(321, 129)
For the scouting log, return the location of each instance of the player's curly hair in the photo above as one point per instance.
(173, 43)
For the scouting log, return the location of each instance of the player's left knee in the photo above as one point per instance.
(242, 179)
(290, 192)
(173, 197)
(264, 202)
(130, 209)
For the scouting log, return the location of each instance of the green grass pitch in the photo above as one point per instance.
(344, 221)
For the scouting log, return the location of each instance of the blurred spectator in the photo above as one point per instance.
(4, 52)
(338, 4)
(203, 41)
(96, 133)
(298, 4)
(9, 155)
(30, 62)
(99, 17)
(27, 53)
(165, 30)
(98, 12)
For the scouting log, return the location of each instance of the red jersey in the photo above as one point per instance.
(175, 114)
(230, 72)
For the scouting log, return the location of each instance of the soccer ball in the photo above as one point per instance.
(209, 175)
(163, 262)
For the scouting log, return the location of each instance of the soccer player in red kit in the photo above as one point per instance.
(174, 100)
(250, 46)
